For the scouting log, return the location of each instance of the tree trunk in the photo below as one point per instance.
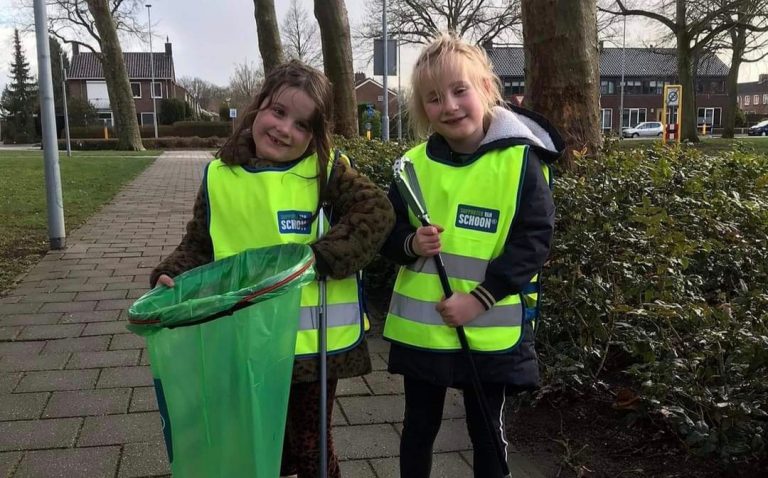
(270, 47)
(331, 15)
(688, 129)
(116, 76)
(564, 86)
(738, 36)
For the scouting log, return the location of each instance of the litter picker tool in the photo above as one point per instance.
(408, 185)
(322, 342)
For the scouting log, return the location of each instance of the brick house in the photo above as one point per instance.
(753, 96)
(370, 92)
(646, 71)
(86, 80)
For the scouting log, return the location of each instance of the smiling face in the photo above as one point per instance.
(282, 128)
(455, 109)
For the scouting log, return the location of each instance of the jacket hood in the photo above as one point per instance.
(509, 126)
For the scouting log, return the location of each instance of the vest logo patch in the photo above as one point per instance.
(477, 218)
(294, 222)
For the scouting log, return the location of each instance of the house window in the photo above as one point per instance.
(633, 87)
(157, 90)
(147, 119)
(380, 98)
(607, 87)
(516, 87)
(106, 118)
(653, 87)
(632, 116)
(746, 100)
(756, 99)
(606, 119)
(738, 100)
(136, 89)
(711, 116)
(765, 99)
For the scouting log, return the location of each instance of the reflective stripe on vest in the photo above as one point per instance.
(475, 203)
(258, 207)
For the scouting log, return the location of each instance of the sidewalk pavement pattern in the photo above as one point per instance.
(76, 396)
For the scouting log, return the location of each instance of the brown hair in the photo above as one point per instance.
(447, 50)
(239, 149)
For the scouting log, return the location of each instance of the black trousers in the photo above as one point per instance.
(423, 415)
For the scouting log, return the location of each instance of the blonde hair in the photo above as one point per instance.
(447, 51)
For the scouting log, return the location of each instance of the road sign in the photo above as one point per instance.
(378, 57)
(673, 96)
(233, 112)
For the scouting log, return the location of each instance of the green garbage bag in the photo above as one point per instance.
(221, 347)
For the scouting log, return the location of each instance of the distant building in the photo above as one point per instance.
(753, 97)
(86, 80)
(646, 71)
(370, 92)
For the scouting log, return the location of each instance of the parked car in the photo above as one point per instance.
(647, 128)
(760, 129)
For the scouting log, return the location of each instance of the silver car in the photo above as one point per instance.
(647, 128)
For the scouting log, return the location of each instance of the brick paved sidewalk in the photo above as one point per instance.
(76, 397)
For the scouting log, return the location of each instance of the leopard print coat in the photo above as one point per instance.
(365, 218)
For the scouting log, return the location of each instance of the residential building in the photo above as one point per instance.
(753, 96)
(370, 92)
(86, 80)
(646, 71)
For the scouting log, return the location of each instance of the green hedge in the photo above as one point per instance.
(659, 274)
(201, 129)
(172, 142)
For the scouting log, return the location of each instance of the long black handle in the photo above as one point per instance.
(476, 385)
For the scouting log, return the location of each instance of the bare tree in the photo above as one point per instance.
(270, 47)
(418, 21)
(100, 22)
(206, 94)
(746, 46)
(694, 24)
(244, 84)
(301, 37)
(332, 17)
(564, 86)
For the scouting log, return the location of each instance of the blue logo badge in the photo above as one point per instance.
(294, 222)
(477, 218)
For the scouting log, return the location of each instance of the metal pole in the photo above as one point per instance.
(621, 99)
(56, 234)
(385, 116)
(399, 95)
(152, 69)
(64, 102)
(322, 344)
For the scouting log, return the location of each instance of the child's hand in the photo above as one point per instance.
(165, 280)
(459, 309)
(426, 242)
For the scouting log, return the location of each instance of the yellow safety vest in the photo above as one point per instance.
(476, 204)
(259, 207)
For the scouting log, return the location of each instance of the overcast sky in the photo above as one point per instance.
(209, 40)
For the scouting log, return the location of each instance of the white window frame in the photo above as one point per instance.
(380, 98)
(111, 117)
(136, 83)
(765, 98)
(746, 100)
(151, 121)
(160, 84)
(756, 99)
(637, 115)
(609, 125)
(710, 109)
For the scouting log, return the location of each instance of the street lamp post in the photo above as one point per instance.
(152, 69)
(385, 107)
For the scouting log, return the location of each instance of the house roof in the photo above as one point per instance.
(371, 80)
(87, 65)
(753, 87)
(510, 61)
